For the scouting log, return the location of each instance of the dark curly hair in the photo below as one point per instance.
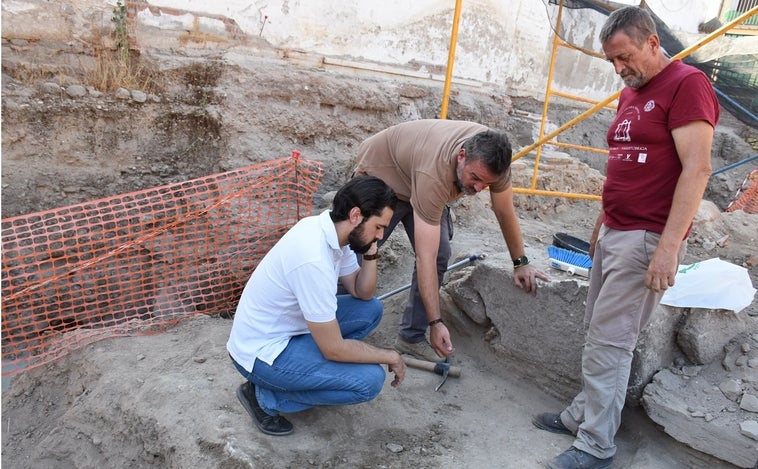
(368, 193)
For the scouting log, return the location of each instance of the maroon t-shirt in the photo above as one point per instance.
(643, 165)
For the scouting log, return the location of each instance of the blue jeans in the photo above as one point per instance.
(301, 377)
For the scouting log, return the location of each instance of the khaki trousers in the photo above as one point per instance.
(618, 308)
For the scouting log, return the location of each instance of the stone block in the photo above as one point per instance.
(675, 402)
(544, 334)
(656, 349)
(705, 331)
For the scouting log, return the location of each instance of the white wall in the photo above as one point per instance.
(685, 15)
(499, 42)
(503, 42)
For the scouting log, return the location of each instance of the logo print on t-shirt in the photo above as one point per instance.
(649, 106)
(622, 131)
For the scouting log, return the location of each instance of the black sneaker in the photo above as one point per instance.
(551, 423)
(268, 424)
(574, 458)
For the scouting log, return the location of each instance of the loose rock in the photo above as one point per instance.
(749, 428)
(139, 96)
(394, 447)
(76, 91)
(731, 389)
(50, 88)
(749, 402)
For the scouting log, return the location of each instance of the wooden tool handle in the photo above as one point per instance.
(454, 371)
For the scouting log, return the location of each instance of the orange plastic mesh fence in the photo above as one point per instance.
(746, 198)
(138, 263)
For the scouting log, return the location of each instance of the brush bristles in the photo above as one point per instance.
(569, 257)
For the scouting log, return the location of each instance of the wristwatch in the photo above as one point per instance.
(520, 262)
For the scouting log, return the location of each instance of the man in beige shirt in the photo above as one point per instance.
(430, 163)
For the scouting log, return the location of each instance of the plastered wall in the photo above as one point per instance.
(501, 42)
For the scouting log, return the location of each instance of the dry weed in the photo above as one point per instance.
(117, 64)
(111, 72)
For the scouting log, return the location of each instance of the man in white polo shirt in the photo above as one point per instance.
(296, 342)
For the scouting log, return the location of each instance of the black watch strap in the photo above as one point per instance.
(520, 262)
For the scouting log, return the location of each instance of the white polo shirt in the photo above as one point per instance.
(296, 281)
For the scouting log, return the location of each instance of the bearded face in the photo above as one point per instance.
(473, 176)
(357, 239)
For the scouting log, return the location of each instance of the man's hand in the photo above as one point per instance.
(525, 277)
(398, 367)
(662, 270)
(440, 339)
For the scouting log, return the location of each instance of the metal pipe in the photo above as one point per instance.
(449, 268)
(734, 165)
(734, 103)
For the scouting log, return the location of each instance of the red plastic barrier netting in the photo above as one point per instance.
(138, 263)
(746, 198)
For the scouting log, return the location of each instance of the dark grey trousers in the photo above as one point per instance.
(414, 323)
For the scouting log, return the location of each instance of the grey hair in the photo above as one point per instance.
(635, 22)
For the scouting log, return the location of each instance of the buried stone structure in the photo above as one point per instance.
(681, 359)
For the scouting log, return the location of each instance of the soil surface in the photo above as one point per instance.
(168, 400)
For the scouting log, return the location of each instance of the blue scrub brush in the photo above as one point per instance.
(575, 263)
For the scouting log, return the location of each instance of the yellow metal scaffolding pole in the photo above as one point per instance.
(450, 59)
(719, 32)
(533, 184)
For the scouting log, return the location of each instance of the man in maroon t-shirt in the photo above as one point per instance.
(658, 167)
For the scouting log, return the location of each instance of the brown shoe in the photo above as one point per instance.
(422, 350)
